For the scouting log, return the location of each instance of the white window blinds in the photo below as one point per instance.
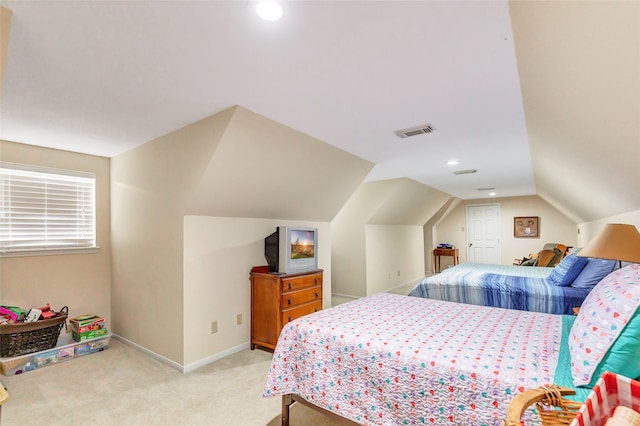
(45, 209)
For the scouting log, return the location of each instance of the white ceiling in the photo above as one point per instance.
(103, 77)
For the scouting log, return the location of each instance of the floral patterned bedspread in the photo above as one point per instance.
(391, 359)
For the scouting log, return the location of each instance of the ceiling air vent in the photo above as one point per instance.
(465, 172)
(486, 189)
(413, 131)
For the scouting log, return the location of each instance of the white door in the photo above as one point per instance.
(483, 233)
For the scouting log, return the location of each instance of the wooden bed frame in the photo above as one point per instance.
(290, 398)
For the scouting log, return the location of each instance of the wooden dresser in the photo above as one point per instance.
(277, 299)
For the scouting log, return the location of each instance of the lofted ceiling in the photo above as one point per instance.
(514, 91)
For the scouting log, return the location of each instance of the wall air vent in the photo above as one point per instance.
(465, 172)
(486, 189)
(414, 131)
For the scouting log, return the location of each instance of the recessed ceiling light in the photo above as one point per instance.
(452, 162)
(269, 10)
(492, 194)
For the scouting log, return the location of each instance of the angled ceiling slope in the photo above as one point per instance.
(263, 169)
(579, 65)
(392, 202)
(405, 202)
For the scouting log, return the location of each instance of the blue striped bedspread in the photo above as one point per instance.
(465, 283)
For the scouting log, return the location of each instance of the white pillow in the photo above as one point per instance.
(603, 316)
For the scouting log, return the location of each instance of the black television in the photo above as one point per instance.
(292, 249)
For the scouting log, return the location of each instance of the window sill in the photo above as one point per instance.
(51, 252)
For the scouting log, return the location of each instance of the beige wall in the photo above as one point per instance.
(395, 256)
(5, 26)
(170, 192)
(79, 281)
(219, 253)
(430, 234)
(588, 230)
(348, 242)
(554, 227)
(151, 186)
(375, 218)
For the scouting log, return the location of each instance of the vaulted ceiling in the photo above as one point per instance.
(540, 97)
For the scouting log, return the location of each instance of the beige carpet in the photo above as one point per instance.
(124, 386)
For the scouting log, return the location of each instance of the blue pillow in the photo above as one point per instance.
(593, 272)
(567, 270)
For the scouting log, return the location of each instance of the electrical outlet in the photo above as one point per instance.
(239, 319)
(214, 327)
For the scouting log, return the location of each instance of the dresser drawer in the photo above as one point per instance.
(303, 281)
(295, 313)
(302, 296)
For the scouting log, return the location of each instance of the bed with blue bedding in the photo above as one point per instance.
(536, 289)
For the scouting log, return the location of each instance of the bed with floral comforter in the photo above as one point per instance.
(392, 359)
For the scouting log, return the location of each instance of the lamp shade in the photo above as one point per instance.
(616, 241)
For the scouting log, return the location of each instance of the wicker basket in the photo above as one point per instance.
(28, 337)
(552, 408)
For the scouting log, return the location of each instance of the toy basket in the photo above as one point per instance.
(28, 337)
(615, 400)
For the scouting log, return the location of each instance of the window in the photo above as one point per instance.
(46, 211)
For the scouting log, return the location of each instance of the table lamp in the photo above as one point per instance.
(616, 241)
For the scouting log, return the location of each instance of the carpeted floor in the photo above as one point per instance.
(124, 386)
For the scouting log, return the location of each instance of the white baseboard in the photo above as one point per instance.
(186, 368)
(208, 360)
(346, 296)
(412, 282)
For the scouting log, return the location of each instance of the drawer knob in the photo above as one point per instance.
(289, 300)
(316, 293)
(315, 309)
(289, 319)
(315, 280)
(289, 286)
